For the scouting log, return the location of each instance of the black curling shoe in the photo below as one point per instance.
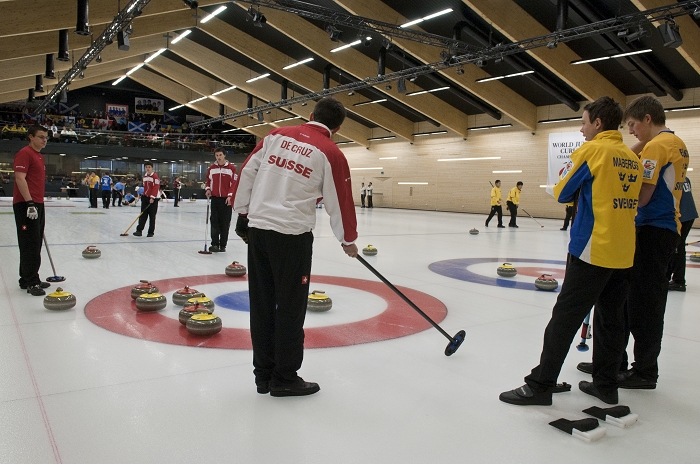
(297, 388)
(524, 396)
(590, 389)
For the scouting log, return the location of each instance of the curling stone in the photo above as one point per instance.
(506, 270)
(144, 287)
(695, 257)
(202, 301)
(204, 324)
(474, 231)
(181, 296)
(188, 311)
(369, 250)
(59, 300)
(91, 252)
(235, 269)
(546, 282)
(319, 302)
(152, 301)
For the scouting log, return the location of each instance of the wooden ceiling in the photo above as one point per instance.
(228, 50)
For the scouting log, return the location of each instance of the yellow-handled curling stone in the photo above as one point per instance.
(319, 302)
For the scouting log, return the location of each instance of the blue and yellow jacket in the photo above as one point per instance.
(664, 163)
(609, 175)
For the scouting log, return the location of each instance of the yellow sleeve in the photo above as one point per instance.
(653, 157)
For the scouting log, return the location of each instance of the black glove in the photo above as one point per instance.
(242, 228)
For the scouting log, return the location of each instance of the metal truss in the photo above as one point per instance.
(121, 21)
(452, 59)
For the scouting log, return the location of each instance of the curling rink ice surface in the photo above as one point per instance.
(101, 384)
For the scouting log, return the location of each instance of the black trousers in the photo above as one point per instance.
(176, 192)
(93, 197)
(116, 195)
(369, 201)
(496, 209)
(106, 196)
(569, 213)
(362, 199)
(278, 282)
(220, 221)
(585, 285)
(150, 214)
(513, 208)
(647, 298)
(676, 266)
(30, 233)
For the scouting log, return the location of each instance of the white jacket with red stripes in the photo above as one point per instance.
(221, 180)
(287, 172)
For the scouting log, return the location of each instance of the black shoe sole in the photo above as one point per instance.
(637, 387)
(585, 370)
(294, 392)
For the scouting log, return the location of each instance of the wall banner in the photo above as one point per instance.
(561, 145)
(149, 106)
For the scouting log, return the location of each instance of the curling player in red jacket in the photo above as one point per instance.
(220, 185)
(276, 200)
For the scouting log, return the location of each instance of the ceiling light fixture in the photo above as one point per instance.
(196, 100)
(174, 107)
(550, 121)
(334, 33)
(422, 134)
(619, 55)
(471, 159)
(287, 119)
(366, 169)
(425, 18)
(261, 76)
(152, 57)
(495, 78)
(370, 102)
(222, 91)
(191, 3)
(290, 66)
(343, 47)
(420, 92)
(134, 69)
(389, 158)
(181, 36)
(256, 16)
(388, 137)
(515, 171)
(216, 12)
(412, 183)
(498, 126)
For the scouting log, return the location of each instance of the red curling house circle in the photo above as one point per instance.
(116, 312)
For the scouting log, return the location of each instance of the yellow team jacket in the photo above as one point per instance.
(495, 196)
(514, 196)
(609, 176)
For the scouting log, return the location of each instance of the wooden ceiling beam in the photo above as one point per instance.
(267, 90)
(181, 94)
(80, 83)
(304, 76)
(33, 65)
(30, 17)
(47, 42)
(518, 25)
(361, 66)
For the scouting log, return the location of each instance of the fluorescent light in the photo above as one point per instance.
(216, 12)
(229, 130)
(370, 102)
(254, 125)
(689, 169)
(181, 36)
(119, 80)
(506, 172)
(176, 107)
(389, 158)
(196, 100)
(371, 139)
(366, 169)
(343, 47)
(687, 108)
(545, 186)
(150, 58)
(550, 121)
(344, 143)
(412, 183)
(290, 66)
(287, 119)
(133, 70)
(422, 134)
(411, 94)
(425, 18)
(471, 159)
(222, 91)
(498, 126)
(619, 55)
(486, 79)
(261, 76)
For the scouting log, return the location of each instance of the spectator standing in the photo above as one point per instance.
(177, 185)
(363, 194)
(512, 202)
(28, 206)
(370, 190)
(220, 186)
(676, 268)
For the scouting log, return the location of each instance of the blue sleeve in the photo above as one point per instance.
(572, 182)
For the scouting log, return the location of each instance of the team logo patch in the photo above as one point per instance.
(304, 280)
(24, 227)
(649, 168)
(566, 169)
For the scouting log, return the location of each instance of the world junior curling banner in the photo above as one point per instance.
(561, 145)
